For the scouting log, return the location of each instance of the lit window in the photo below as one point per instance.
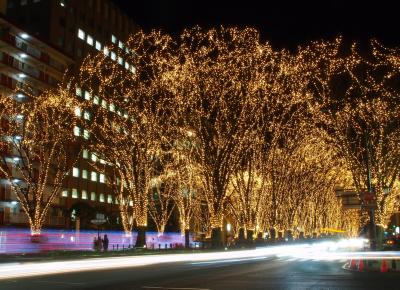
(96, 100)
(86, 115)
(84, 194)
(62, 3)
(86, 134)
(74, 193)
(106, 51)
(131, 203)
(109, 198)
(93, 176)
(104, 104)
(133, 69)
(93, 157)
(120, 61)
(78, 92)
(116, 201)
(101, 197)
(126, 65)
(89, 40)
(102, 161)
(98, 45)
(113, 39)
(112, 108)
(78, 112)
(120, 45)
(88, 96)
(93, 196)
(77, 131)
(81, 34)
(113, 55)
(75, 172)
(64, 193)
(84, 174)
(85, 153)
(126, 49)
(102, 178)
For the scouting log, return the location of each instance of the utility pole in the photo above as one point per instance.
(371, 210)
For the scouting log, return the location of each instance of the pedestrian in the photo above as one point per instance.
(105, 243)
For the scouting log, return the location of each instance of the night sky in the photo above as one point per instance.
(284, 23)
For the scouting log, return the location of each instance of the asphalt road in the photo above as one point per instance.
(267, 273)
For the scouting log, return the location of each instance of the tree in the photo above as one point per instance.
(129, 120)
(38, 135)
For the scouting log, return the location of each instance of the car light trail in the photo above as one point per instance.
(319, 251)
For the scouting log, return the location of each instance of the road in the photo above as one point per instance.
(238, 274)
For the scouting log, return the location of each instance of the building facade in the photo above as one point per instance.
(26, 62)
(72, 29)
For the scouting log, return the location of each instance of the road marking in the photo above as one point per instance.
(58, 282)
(172, 288)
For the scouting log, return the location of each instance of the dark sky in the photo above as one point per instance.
(285, 23)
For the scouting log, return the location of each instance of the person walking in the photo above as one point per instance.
(105, 243)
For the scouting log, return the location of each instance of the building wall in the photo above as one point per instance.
(76, 28)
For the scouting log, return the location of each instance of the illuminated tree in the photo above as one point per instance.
(161, 200)
(38, 134)
(128, 118)
(358, 103)
(186, 175)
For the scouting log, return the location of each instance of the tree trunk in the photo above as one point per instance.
(250, 240)
(187, 238)
(241, 237)
(141, 237)
(216, 238)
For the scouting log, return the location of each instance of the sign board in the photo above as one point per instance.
(350, 198)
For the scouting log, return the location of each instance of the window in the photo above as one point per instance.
(84, 174)
(78, 92)
(93, 196)
(131, 203)
(74, 193)
(84, 194)
(101, 197)
(120, 60)
(79, 52)
(86, 115)
(85, 153)
(102, 178)
(75, 172)
(104, 104)
(109, 198)
(77, 131)
(113, 39)
(81, 34)
(102, 161)
(93, 157)
(93, 176)
(120, 45)
(86, 134)
(88, 96)
(64, 193)
(133, 69)
(126, 65)
(96, 100)
(98, 45)
(113, 55)
(89, 40)
(112, 108)
(106, 51)
(62, 3)
(78, 112)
